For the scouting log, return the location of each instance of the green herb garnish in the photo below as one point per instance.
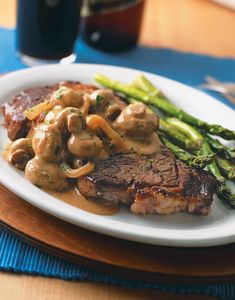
(64, 166)
(98, 100)
(58, 94)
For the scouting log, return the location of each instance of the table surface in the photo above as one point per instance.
(199, 26)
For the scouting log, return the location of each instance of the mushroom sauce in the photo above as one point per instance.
(73, 130)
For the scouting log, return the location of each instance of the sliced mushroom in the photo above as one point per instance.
(47, 143)
(135, 122)
(84, 145)
(100, 98)
(74, 123)
(46, 175)
(112, 112)
(20, 153)
(52, 114)
(71, 118)
(65, 97)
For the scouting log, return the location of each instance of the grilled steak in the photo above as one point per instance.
(156, 183)
(16, 123)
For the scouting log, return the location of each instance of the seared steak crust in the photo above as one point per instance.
(122, 171)
(193, 193)
(155, 183)
(15, 121)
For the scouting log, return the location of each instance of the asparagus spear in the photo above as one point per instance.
(200, 161)
(225, 152)
(142, 83)
(197, 138)
(224, 192)
(176, 136)
(165, 106)
(226, 168)
(173, 134)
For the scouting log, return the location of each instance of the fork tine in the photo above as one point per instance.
(213, 87)
(230, 98)
(212, 80)
(220, 89)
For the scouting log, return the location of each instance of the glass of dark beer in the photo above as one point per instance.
(111, 25)
(47, 30)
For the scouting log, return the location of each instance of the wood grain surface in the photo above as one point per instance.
(198, 26)
(25, 287)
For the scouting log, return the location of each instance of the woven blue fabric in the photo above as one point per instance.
(18, 256)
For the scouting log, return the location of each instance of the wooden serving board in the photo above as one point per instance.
(112, 255)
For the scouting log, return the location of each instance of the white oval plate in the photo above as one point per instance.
(176, 230)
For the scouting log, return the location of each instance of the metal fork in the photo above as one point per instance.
(227, 89)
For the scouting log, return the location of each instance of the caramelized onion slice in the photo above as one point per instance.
(86, 105)
(94, 122)
(76, 173)
(33, 112)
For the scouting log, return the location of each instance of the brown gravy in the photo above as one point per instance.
(74, 198)
(5, 153)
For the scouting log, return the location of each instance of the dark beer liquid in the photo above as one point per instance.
(47, 29)
(111, 25)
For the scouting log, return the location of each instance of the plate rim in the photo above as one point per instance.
(216, 238)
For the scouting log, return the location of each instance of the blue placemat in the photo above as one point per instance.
(184, 67)
(18, 256)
